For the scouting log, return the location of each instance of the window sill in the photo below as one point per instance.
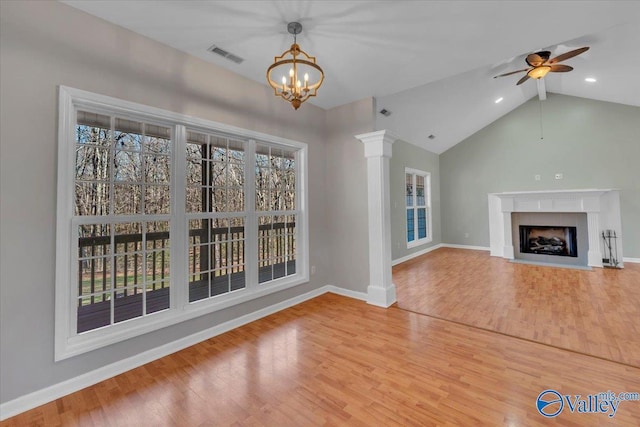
(112, 334)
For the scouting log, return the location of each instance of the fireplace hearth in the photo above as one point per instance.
(549, 240)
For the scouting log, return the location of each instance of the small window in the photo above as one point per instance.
(418, 201)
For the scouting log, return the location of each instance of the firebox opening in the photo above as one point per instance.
(549, 240)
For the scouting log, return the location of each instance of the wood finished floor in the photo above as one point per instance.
(593, 312)
(337, 361)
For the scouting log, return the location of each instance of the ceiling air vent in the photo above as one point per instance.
(230, 56)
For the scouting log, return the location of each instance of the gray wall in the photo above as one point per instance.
(594, 144)
(347, 201)
(46, 44)
(408, 155)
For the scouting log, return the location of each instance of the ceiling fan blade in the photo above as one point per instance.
(568, 55)
(560, 68)
(510, 73)
(534, 59)
(522, 80)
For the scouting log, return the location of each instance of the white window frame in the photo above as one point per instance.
(427, 196)
(68, 342)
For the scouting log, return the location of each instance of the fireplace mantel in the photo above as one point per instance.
(602, 207)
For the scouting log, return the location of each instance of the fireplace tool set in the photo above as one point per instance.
(610, 249)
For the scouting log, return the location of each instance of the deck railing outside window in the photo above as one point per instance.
(276, 259)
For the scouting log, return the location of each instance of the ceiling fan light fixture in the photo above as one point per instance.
(590, 80)
(539, 72)
(541, 64)
(294, 75)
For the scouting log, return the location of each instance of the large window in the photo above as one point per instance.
(276, 206)
(164, 217)
(216, 214)
(121, 215)
(418, 200)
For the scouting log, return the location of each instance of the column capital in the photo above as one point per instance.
(378, 143)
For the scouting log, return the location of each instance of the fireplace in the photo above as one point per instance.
(600, 210)
(549, 240)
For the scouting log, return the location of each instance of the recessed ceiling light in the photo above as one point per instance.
(499, 100)
(590, 80)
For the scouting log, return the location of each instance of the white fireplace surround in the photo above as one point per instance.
(601, 206)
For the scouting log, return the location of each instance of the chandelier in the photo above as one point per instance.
(294, 75)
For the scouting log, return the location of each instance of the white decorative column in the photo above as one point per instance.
(377, 150)
(594, 256)
(507, 207)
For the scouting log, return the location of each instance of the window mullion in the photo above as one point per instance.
(143, 222)
(416, 222)
(251, 217)
(143, 178)
(302, 228)
(112, 232)
(179, 224)
(75, 294)
(428, 207)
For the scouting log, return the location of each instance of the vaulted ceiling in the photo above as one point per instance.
(430, 63)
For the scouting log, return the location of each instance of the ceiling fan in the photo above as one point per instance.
(540, 64)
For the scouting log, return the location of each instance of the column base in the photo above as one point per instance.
(382, 297)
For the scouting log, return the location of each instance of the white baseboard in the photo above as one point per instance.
(473, 248)
(438, 246)
(346, 292)
(631, 260)
(415, 254)
(53, 392)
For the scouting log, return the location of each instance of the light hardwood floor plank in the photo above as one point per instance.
(593, 312)
(337, 361)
